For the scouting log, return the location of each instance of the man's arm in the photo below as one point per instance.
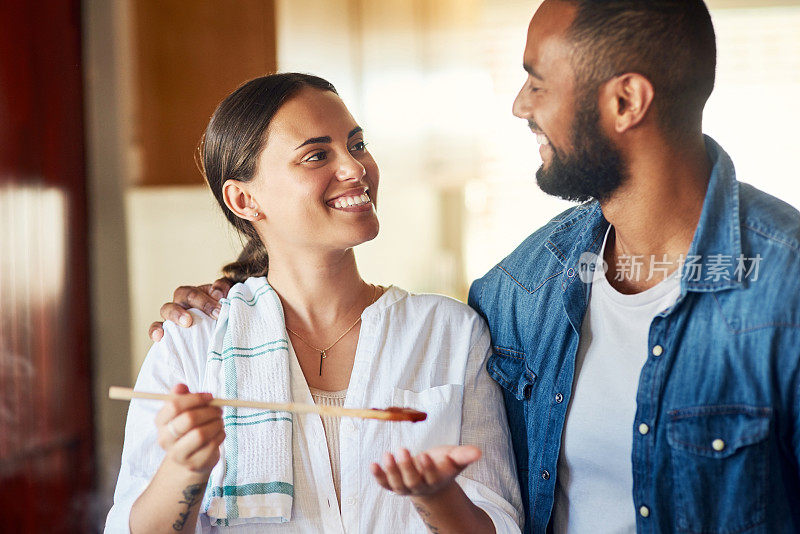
(205, 297)
(252, 261)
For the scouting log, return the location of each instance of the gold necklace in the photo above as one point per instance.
(323, 353)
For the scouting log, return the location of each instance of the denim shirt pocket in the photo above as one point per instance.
(719, 467)
(509, 368)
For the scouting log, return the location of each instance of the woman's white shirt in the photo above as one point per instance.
(421, 351)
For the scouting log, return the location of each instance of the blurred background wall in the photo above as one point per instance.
(431, 82)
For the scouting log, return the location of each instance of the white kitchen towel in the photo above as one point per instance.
(249, 359)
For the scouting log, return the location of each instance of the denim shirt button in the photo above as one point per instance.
(658, 350)
(643, 429)
(644, 511)
(546, 474)
(717, 444)
(570, 272)
(559, 398)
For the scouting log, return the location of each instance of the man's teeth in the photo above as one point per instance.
(346, 202)
(542, 139)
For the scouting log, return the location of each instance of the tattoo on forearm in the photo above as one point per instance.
(191, 496)
(425, 515)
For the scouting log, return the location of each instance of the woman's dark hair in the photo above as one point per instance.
(231, 144)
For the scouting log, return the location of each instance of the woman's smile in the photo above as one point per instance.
(353, 200)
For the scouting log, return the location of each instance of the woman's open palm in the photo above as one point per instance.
(427, 473)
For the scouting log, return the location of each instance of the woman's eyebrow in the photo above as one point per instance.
(313, 140)
(327, 138)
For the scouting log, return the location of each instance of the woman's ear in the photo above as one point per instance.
(237, 197)
(625, 100)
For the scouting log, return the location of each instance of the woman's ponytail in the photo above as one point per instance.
(253, 261)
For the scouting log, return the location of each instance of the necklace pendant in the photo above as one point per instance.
(322, 356)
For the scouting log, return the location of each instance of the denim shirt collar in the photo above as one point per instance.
(719, 229)
(718, 232)
(575, 234)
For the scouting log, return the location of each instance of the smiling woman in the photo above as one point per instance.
(313, 154)
(250, 135)
(289, 167)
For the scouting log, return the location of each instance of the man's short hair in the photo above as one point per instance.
(670, 42)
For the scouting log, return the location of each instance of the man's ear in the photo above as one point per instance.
(625, 101)
(239, 200)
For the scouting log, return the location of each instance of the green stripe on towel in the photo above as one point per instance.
(248, 423)
(230, 349)
(235, 355)
(259, 488)
(252, 302)
(257, 414)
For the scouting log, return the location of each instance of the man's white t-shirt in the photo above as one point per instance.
(594, 487)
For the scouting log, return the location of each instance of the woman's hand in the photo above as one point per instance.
(429, 481)
(205, 297)
(428, 473)
(190, 430)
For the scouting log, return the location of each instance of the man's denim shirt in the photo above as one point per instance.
(720, 390)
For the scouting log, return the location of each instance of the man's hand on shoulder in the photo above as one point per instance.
(205, 297)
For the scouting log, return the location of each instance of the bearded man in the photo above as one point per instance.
(647, 341)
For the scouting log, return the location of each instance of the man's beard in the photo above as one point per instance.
(594, 167)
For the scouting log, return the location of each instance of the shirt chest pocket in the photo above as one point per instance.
(719, 467)
(509, 369)
(441, 427)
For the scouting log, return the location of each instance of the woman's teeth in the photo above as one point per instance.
(542, 139)
(346, 202)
